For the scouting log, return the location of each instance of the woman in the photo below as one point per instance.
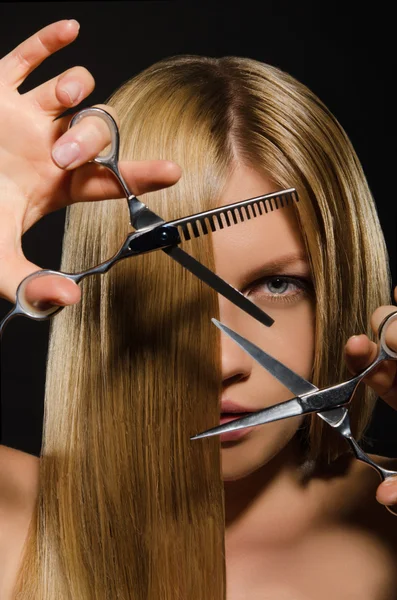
(122, 503)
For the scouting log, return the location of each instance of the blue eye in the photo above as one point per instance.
(279, 288)
(278, 285)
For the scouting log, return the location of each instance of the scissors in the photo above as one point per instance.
(153, 233)
(330, 403)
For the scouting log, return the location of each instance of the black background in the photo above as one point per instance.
(344, 55)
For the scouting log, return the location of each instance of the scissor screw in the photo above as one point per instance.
(168, 235)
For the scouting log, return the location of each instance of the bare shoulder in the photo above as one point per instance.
(365, 565)
(19, 478)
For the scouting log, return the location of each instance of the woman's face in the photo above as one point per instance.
(266, 260)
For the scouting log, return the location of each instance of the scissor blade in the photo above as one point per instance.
(312, 399)
(215, 219)
(284, 410)
(219, 285)
(141, 217)
(294, 382)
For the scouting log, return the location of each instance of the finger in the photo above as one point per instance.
(387, 376)
(50, 289)
(64, 122)
(391, 332)
(16, 66)
(93, 182)
(360, 352)
(83, 142)
(387, 492)
(63, 91)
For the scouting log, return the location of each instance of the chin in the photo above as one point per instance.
(258, 448)
(238, 462)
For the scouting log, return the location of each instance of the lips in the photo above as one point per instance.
(228, 406)
(230, 411)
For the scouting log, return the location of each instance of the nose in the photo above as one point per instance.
(236, 364)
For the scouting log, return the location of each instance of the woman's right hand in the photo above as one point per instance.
(39, 157)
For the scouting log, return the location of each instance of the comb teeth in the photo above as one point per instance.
(225, 216)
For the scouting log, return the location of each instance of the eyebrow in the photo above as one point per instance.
(278, 265)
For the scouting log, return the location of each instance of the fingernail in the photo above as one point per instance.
(391, 502)
(42, 305)
(73, 90)
(74, 21)
(66, 154)
(391, 495)
(390, 481)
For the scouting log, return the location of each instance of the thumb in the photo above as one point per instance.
(387, 491)
(39, 291)
(360, 352)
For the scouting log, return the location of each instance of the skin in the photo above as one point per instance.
(256, 257)
(33, 184)
(277, 506)
(244, 255)
(262, 470)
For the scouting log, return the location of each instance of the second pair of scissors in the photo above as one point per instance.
(329, 403)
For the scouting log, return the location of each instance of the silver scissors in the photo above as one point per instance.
(330, 403)
(153, 233)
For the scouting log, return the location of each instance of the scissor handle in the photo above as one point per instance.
(25, 308)
(111, 159)
(382, 334)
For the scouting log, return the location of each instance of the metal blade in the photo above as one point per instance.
(290, 408)
(334, 416)
(284, 410)
(219, 285)
(202, 223)
(141, 217)
(294, 382)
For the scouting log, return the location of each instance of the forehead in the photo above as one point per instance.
(264, 239)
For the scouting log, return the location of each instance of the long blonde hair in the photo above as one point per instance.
(128, 508)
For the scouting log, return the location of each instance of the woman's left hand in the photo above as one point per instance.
(360, 351)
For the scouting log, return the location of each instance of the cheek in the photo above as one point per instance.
(290, 340)
(291, 337)
(239, 459)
